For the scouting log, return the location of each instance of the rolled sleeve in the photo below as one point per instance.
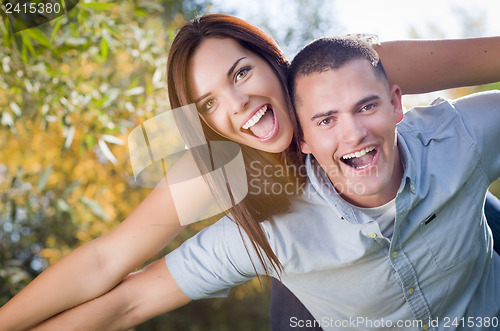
(214, 260)
(481, 116)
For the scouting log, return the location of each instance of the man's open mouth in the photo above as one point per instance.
(262, 123)
(360, 159)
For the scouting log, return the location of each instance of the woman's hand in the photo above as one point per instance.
(139, 297)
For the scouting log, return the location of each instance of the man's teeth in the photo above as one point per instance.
(255, 118)
(359, 153)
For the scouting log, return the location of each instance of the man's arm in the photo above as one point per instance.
(420, 66)
(141, 296)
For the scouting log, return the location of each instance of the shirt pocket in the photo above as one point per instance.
(450, 234)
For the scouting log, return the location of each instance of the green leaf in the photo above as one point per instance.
(89, 141)
(27, 42)
(56, 28)
(99, 6)
(94, 207)
(42, 182)
(38, 36)
(104, 49)
(71, 188)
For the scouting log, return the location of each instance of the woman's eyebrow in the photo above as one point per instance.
(201, 97)
(230, 71)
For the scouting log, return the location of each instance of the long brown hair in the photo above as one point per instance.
(256, 206)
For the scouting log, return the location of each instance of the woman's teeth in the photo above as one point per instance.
(359, 153)
(255, 118)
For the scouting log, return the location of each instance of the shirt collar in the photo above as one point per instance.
(409, 174)
(324, 187)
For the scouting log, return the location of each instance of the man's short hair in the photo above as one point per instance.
(328, 53)
(331, 53)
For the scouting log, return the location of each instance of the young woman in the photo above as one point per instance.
(229, 92)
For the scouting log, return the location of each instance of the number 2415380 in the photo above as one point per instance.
(33, 8)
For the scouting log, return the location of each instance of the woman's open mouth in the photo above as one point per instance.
(263, 124)
(360, 159)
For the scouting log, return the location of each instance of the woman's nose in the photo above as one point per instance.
(238, 101)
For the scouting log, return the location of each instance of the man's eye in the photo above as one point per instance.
(368, 107)
(241, 74)
(325, 121)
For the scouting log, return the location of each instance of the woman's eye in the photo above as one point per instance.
(241, 74)
(209, 104)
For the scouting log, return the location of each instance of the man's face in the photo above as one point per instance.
(349, 118)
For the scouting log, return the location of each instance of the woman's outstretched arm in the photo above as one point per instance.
(96, 267)
(420, 66)
(141, 296)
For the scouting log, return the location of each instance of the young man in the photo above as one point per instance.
(389, 233)
(410, 197)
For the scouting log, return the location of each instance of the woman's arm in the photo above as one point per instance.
(139, 297)
(96, 267)
(420, 66)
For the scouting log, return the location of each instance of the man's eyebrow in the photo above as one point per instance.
(327, 113)
(358, 104)
(367, 99)
(229, 73)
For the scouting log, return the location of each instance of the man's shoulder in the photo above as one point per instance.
(442, 111)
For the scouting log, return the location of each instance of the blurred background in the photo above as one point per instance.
(73, 88)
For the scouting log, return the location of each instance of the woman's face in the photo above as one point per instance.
(238, 95)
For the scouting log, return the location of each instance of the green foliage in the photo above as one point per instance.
(70, 92)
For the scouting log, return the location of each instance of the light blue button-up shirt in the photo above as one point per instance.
(437, 272)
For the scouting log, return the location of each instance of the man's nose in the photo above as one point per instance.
(353, 130)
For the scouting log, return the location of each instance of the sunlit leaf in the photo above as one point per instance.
(71, 188)
(70, 134)
(15, 108)
(152, 6)
(94, 207)
(42, 182)
(135, 91)
(62, 205)
(7, 119)
(98, 6)
(107, 152)
(112, 139)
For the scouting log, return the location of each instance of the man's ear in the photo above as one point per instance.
(304, 147)
(397, 103)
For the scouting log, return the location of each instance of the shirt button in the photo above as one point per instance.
(394, 254)
(412, 188)
(425, 326)
(410, 291)
(372, 235)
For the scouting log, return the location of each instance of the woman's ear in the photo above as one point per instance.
(397, 103)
